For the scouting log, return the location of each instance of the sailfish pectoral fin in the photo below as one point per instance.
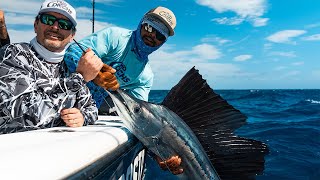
(168, 161)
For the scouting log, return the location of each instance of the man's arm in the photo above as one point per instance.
(4, 36)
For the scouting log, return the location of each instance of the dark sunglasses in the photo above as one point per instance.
(150, 29)
(50, 20)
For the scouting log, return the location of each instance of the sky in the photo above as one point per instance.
(235, 44)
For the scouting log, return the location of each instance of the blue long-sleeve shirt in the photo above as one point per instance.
(114, 47)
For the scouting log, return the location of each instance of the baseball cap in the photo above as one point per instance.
(61, 7)
(166, 16)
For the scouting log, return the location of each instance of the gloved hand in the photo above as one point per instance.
(106, 78)
(173, 163)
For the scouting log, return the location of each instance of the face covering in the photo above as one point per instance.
(52, 57)
(139, 47)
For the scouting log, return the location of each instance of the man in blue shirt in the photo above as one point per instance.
(126, 51)
(125, 56)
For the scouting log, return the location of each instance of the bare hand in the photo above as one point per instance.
(72, 117)
(106, 78)
(89, 65)
(3, 28)
(173, 163)
(2, 22)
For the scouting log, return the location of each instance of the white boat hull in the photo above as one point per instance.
(103, 151)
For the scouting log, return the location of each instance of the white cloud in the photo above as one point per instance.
(84, 10)
(316, 73)
(86, 13)
(298, 63)
(267, 46)
(315, 37)
(206, 52)
(244, 57)
(30, 7)
(215, 39)
(279, 68)
(14, 19)
(290, 54)
(291, 74)
(199, 53)
(106, 1)
(249, 10)
(169, 66)
(243, 8)
(310, 26)
(21, 36)
(257, 22)
(229, 21)
(285, 36)
(84, 27)
(168, 74)
(236, 44)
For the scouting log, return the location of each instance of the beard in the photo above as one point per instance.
(148, 41)
(56, 44)
(53, 45)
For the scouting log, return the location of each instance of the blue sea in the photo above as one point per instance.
(288, 121)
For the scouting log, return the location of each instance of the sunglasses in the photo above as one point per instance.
(50, 20)
(150, 29)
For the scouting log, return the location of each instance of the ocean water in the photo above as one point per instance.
(288, 121)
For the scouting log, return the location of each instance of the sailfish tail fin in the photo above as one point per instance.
(213, 120)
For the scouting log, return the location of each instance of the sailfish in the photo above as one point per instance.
(196, 124)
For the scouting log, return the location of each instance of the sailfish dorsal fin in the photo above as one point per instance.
(213, 120)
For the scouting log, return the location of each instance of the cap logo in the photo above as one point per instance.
(60, 5)
(166, 16)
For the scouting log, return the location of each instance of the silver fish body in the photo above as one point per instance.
(165, 134)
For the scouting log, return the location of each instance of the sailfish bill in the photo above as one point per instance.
(196, 124)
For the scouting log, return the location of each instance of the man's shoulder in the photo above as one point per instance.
(118, 31)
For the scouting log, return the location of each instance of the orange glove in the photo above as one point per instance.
(173, 163)
(106, 78)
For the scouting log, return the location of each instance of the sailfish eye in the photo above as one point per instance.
(137, 109)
